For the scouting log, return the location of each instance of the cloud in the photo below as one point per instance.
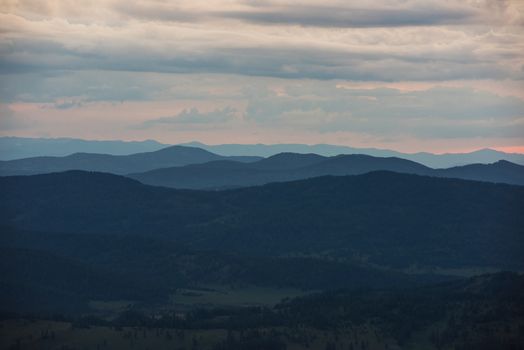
(328, 13)
(276, 65)
(158, 11)
(194, 116)
(348, 17)
(9, 121)
(79, 87)
(432, 113)
(460, 40)
(69, 104)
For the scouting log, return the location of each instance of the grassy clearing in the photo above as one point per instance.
(220, 296)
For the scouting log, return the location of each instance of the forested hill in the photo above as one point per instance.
(385, 218)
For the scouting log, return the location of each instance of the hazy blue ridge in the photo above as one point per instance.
(119, 164)
(294, 166)
(432, 160)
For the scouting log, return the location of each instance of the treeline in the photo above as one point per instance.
(464, 314)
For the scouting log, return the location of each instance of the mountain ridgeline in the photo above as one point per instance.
(26, 147)
(115, 164)
(193, 168)
(22, 147)
(292, 166)
(445, 160)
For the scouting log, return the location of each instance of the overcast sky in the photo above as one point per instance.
(402, 74)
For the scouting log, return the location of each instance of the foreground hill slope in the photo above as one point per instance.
(116, 164)
(382, 217)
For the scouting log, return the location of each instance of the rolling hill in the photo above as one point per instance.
(121, 164)
(382, 218)
(294, 166)
(72, 237)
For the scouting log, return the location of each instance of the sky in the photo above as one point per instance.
(409, 75)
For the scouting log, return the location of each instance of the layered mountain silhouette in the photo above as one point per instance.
(195, 168)
(446, 160)
(294, 166)
(26, 147)
(501, 171)
(21, 147)
(122, 164)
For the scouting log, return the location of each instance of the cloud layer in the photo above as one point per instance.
(260, 65)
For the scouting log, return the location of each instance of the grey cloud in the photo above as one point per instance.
(194, 116)
(395, 14)
(157, 11)
(502, 129)
(205, 46)
(275, 61)
(76, 87)
(108, 61)
(344, 17)
(68, 104)
(433, 113)
(10, 121)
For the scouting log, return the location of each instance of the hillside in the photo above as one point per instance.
(501, 171)
(85, 242)
(382, 218)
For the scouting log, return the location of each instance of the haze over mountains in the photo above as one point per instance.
(291, 166)
(25, 147)
(396, 221)
(18, 147)
(195, 168)
(340, 233)
(445, 160)
(83, 242)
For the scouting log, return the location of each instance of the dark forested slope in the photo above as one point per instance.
(382, 217)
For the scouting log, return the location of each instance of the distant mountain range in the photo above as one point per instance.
(483, 156)
(24, 147)
(18, 147)
(291, 166)
(139, 162)
(195, 168)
